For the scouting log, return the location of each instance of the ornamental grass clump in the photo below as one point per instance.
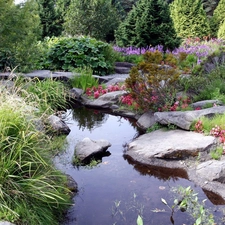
(152, 83)
(49, 95)
(32, 191)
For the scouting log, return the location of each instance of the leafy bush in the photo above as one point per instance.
(70, 53)
(152, 84)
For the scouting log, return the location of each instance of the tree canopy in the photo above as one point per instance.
(96, 18)
(148, 24)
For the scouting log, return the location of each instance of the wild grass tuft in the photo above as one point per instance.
(49, 95)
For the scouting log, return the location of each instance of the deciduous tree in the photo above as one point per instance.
(97, 18)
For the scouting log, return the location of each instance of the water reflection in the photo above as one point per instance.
(161, 173)
(88, 119)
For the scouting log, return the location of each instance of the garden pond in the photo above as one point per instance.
(117, 190)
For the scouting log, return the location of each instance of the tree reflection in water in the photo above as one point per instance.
(88, 118)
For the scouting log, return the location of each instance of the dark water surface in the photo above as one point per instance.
(117, 190)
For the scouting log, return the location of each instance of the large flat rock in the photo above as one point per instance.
(170, 144)
(185, 119)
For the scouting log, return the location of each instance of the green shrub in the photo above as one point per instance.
(70, 53)
(152, 85)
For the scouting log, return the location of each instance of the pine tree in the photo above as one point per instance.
(49, 18)
(218, 18)
(148, 23)
(189, 18)
(155, 26)
(126, 33)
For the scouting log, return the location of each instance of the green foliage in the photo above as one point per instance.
(84, 79)
(148, 24)
(156, 126)
(221, 31)
(212, 86)
(189, 18)
(218, 17)
(140, 220)
(18, 34)
(191, 204)
(217, 153)
(152, 85)
(50, 19)
(32, 191)
(96, 18)
(69, 53)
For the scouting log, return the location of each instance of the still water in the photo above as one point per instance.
(117, 190)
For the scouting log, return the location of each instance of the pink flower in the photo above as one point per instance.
(96, 94)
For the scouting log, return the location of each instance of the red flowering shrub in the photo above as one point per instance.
(151, 82)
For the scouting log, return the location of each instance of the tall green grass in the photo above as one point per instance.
(32, 191)
(84, 79)
(49, 95)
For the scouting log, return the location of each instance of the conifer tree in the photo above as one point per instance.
(148, 24)
(49, 18)
(189, 18)
(221, 31)
(218, 18)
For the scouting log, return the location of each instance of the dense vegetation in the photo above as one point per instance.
(91, 36)
(25, 27)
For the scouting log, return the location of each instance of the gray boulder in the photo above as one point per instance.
(146, 120)
(6, 223)
(58, 125)
(212, 170)
(76, 93)
(205, 103)
(186, 118)
(88, 148)
(173, 144)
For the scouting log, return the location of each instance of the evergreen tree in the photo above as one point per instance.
(221, 31)
(189, 18)
(97, 18)
(218, 18)
(148, 23)
(50, 19)
(126, 32)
